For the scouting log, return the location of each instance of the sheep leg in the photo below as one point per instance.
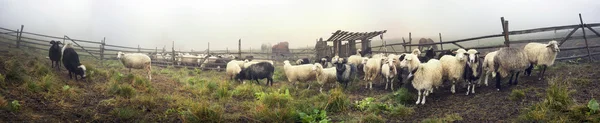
(386, 83)
(452, 89)
(419, 97)
(308, 86)
(149, 73)
(270, 81)
(498, 78)
(392, 84)
(424, 95)
(517, 78)
(487, 74)
(371, 85)
(468, 87)
(473, 89)
(510, 81)
(542, 72)
(529, 69)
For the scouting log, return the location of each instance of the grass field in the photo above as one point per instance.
(32, 91)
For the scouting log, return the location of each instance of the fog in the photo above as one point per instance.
(192, 24)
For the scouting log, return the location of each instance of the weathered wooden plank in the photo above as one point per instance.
(579, 56)
(333, 35)
(542, 29)
(460, 40)
(568, 36)
(594, 31)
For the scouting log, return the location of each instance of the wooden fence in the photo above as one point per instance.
(102, 51)
(506, 33)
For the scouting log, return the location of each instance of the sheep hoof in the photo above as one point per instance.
(497, 89)
(540, 79)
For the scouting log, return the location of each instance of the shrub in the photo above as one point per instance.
(14, 106)
(125, 113)
(33, 87)
(15, 72)
(316, 116)
(372, 118)
(402, 96)
(338, 101)
(212, 86)
(593, 105)
(517, 94)
(124, 90)
(274, 107)
(41, 70)
(203, 113)
(365, 103)
(223, 91)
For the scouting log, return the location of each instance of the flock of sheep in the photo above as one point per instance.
(425, 73)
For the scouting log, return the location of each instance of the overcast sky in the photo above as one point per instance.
(191, 24)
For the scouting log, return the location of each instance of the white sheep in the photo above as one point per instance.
(233, 68)
(372, 69)
(136, 61)
(301, 73)
(324, 75)
(509, 60)
(541, 54)
(424, 76)
(335, 59)
(453, 67)
(388, 71)
(488, 66)
(355, 59)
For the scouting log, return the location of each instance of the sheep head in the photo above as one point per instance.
(473, 56)
(120, 55)
(416, 52)
(460, 54)
(318, 68)
(553, 45)
(410, 60)
(81, 69)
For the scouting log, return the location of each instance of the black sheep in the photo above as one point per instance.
(446, 52)
(429, 54)
(303, 61)
(71, 62)
(54, 54)
(344, 72)
(257, 71)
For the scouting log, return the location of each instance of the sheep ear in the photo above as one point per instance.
(549, 45)
(51, 42)
(453, 52)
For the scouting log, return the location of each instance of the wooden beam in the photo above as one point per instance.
(568, 36)
(441, 45)
(460, 40)
(542, 29)
(333, 35)
(585, 39)
(458, 45)
(594, 31)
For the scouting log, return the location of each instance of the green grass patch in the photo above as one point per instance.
(447, 119)
(125, 113)
(123, 90)
(372, 118)
(558, 106)
(338, 101)
(517, 94)
(316, 116)
(204, 113)
(245, 91)
(274, 107)
(14, 106)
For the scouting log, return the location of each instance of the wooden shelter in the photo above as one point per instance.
(350, 39)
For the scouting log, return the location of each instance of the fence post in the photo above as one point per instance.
(19, 34)
(173, 53)
(102, 50)
(409, 41)
(441, 45)
(208, 50)
(505, 31)
(240, 48)
(585, 38)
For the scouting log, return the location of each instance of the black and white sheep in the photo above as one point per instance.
(71, 62)
(54, 53)
(344, 71)
(262, 70)
(472, 70)
(512, 61)
(136, 61)
(541, 54)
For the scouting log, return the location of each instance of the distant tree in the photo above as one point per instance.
(265, 47)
